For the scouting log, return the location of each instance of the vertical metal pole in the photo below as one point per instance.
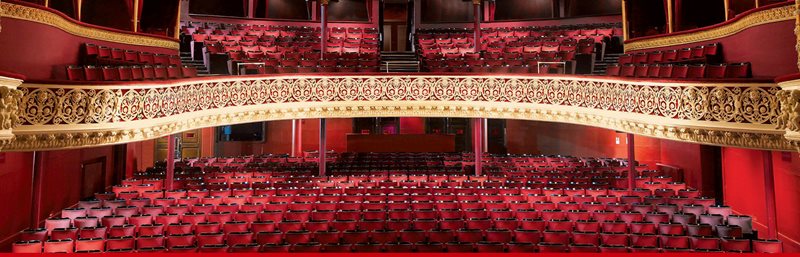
(251, 9)
(769, 194)
(323, 4)
(727, 9)
(169, 183)
(631, 163)
(322, 148)
(477, 16)
(477, 144)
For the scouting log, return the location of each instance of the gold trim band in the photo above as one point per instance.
(772, 15)
(74, 116)
(20, 12)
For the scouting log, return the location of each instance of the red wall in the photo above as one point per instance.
(743, 186)
(61, 185)
(42, 52)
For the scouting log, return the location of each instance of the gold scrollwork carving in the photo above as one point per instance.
(693, 112)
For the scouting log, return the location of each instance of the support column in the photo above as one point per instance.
(670, 17)
(323, 17)
(727, 9)
(769, 194)
(297, 138)
(178, 21)
(625, 34)
(485, 134)
(135, 16)
(251, 9)
(477, 144)
(631, 163)
(322, 148)
(36, 188)
(78, 4)
(170, 179)
(476, 4)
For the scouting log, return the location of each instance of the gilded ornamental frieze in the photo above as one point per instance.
(69, 116)
(9, 111)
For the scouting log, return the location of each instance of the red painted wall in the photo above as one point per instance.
(412, 125)
(15, 187)
(42, 52)
(61, 185)
(743, 186)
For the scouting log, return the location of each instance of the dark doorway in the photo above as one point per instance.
(396, 25)
(93, 177)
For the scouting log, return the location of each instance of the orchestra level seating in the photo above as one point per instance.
(398, 203)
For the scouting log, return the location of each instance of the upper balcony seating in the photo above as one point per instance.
(700, 62)
(289, 49)
(274, 204)
(129, 73)
(103, 55)
(514, 50)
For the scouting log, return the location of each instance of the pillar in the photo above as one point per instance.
(631, 163)
(322, 148)
(476, 11)
(78, 4)
(251, 8)
(477, 144)
(170, 179)
(727, 9)
(485, 135)
(769, 194)
(670, 17)
(297, 138)
(36, 196)
(135, 16)
(178, 21)
(625, 34)
(323, 16)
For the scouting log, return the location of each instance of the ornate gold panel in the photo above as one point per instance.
(70, 116)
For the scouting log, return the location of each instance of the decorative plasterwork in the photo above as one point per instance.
(70, 116)
(789, 114)
(15, 11)
(9, 111)
(778, 14)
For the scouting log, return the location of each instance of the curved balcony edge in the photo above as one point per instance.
(58, 116)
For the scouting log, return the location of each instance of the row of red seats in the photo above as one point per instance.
(211, 245)
(697, 71)
(701, 54)
(102, 55)
(129, 73)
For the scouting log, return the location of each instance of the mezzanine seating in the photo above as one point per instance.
(514, 50)
(288, 49)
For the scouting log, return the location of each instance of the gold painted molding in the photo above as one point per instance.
(75, 116)
(21, 12)
(772, 15)
(9, 111)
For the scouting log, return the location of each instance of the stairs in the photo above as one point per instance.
(600, 66)
(399, 62)
(202, 70)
